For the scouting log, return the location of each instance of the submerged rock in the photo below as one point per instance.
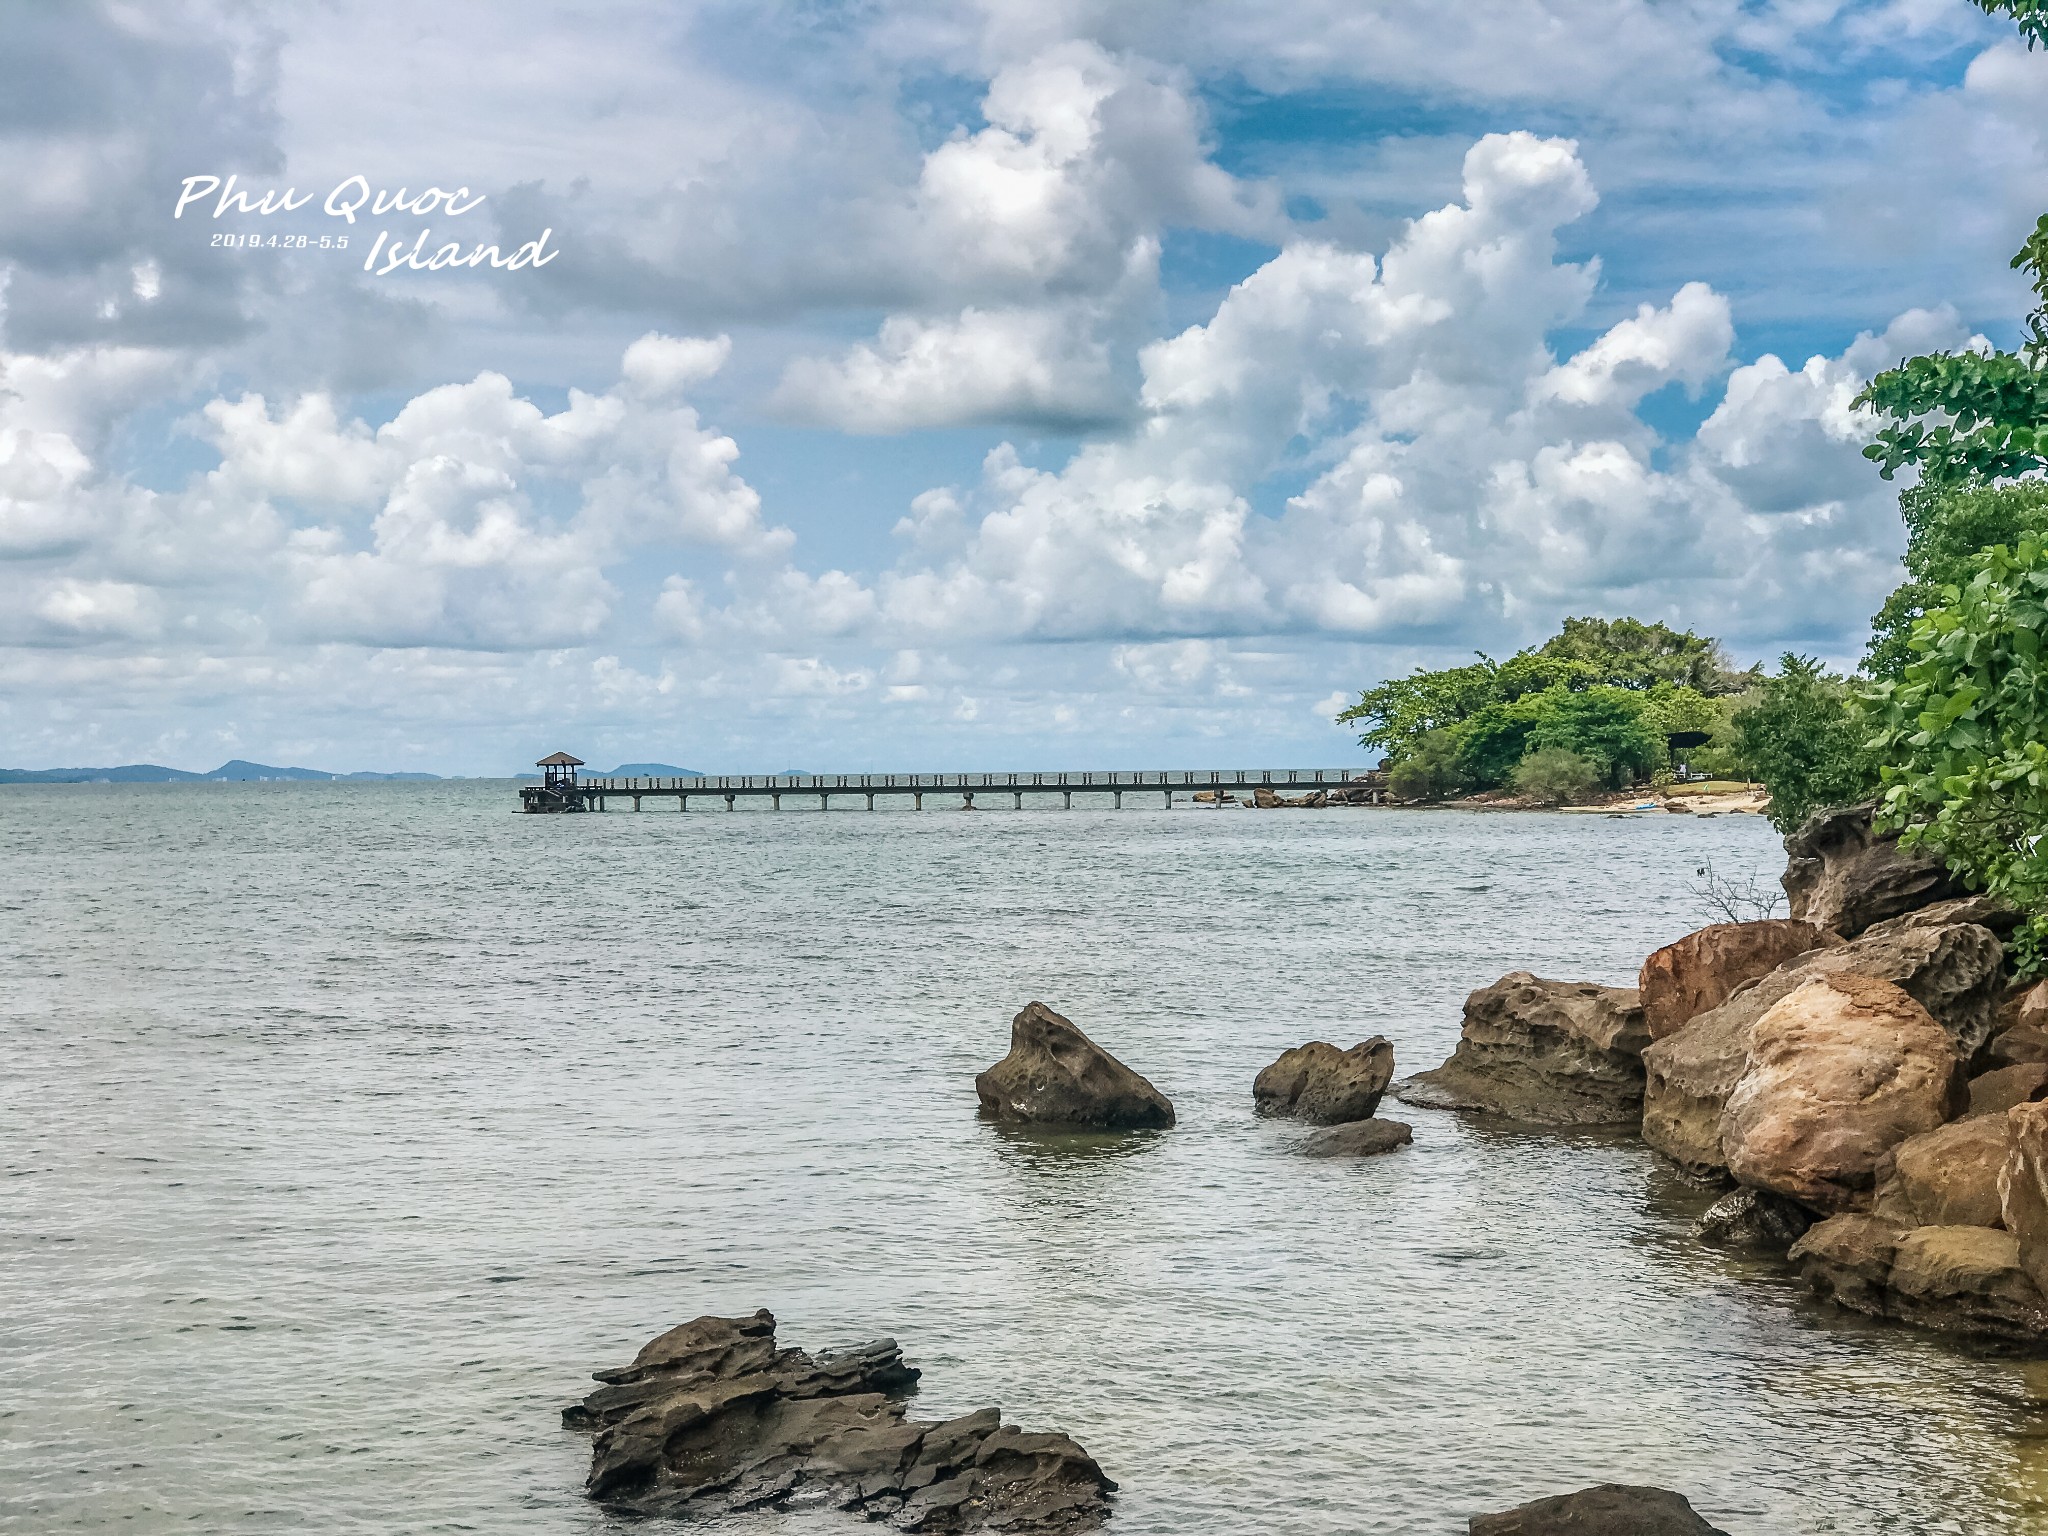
(1358, 1138)
(1844, 875)
(1953, 972)
(2023, 1187)
(1840, 1072)
(1325, 1086)
(1951, 1279)
(1753, 1220)
(1055, 1075)
(1544, 1053)
(1684, 979)
(1611, 1509)
(711, 1418)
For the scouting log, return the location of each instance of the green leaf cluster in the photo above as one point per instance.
(1963, 734)
(1945, 532)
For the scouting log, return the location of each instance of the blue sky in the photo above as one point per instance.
(919, 385)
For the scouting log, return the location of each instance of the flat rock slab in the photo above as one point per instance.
(713, 1418)
(1358, 1138)
(1056, 1076)
(1542, 1053)
(1611, 1509)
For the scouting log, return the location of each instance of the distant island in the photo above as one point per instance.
(241, 772)
(235, 772)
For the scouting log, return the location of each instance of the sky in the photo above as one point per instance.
(972, 385)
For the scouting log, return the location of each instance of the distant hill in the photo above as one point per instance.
(235, 772)
(648, 771)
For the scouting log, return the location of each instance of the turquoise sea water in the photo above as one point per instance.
(347, 1128)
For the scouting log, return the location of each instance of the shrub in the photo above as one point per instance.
(1429, 771)
(1802, 739)
(1556, 776)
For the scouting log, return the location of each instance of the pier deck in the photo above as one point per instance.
(1343, 785)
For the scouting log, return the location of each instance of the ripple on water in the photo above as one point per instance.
(350, 1126)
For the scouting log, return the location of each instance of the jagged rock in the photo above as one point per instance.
(1843, 875)
(1754, 1220)
(1611, 1509)
(1699, 971)
(712, 1418)
(1544, 1053)
(1951, 1279)
(1325, 1086)
(1841, 1071)
(1952, 972)
(2022, 1043)
(1358, 1138)
(1055, 1075)
(1996, 1091)
(1947, 1177)
(2023, 1187)
(1985, 911)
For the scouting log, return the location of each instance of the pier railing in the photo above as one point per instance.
(812, 783)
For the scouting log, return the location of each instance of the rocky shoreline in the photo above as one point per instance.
(1865, 1080)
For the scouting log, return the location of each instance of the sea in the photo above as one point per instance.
(346, 1128)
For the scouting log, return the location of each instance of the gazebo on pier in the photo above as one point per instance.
(558, 789)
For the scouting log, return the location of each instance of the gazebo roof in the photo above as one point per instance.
(560, 760)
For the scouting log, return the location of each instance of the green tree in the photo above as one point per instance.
(1556, 776)
(1401, 711)
(1493, 741)
(1945, 532)
(1627, 653)
(1429, 771)
(1964, 734)
(1608, 726)
(1804, 741)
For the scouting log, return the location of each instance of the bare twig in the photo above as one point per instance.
(1736, 901)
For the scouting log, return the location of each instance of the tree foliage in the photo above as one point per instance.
(1609, 727)
(1945, 532)
(1964, 733)
(1802, 738)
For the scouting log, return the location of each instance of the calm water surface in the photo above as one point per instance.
(346, 1128)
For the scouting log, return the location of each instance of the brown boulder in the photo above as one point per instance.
(2021, 1043)
(1841, 1071)
(1994, 1092)
(1611, 1509)
(2023, 1187)
(1848, 1260)
(1961, 1279)
(1055, 1075)
(1358, 1138)
(1699, 971)
(1841, 874)
(1952, 972)
(1543, 1053)
(1985, 911)
(1325, 1086)
(1946, 1177)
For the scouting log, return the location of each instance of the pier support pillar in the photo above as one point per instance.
(1169, 799)
(777, 800)
(1119, 798)
(871, 801)
(683, 803)
(917, 801)
(824, 802)
(729, 800)
(636, 802)
(1016, 799)
(966, 799)
(1068, 796)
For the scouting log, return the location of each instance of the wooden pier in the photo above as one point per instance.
(1290, 787)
